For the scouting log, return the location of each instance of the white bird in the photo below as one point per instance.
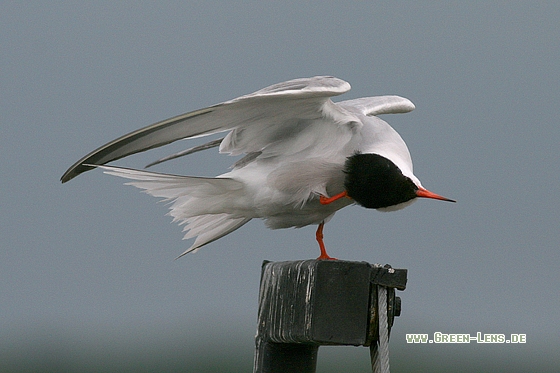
(305, 158)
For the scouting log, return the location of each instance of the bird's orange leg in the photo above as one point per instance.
(326, 200)
(319, 236)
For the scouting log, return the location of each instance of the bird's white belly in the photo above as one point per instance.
(287, 195)
(312, 212)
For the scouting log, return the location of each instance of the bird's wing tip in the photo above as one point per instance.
(74, 171)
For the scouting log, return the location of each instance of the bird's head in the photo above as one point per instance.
(376, 182)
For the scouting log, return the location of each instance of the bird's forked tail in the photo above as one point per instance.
(206, 206)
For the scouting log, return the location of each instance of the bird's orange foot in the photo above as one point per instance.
(325, 257)
(326, 200)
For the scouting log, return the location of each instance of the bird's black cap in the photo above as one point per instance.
(374, 181)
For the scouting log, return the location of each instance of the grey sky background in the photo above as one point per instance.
(87, 269)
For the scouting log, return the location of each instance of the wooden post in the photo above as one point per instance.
(306, 304)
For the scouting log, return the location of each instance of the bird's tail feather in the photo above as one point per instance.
(206, 206)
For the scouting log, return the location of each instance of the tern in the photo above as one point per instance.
(304, 158)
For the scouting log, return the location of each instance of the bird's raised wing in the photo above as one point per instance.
(378, 105)
(294, 100)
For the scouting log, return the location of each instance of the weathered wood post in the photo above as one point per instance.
(309, 303)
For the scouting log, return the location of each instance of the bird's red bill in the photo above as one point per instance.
(424, 193)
